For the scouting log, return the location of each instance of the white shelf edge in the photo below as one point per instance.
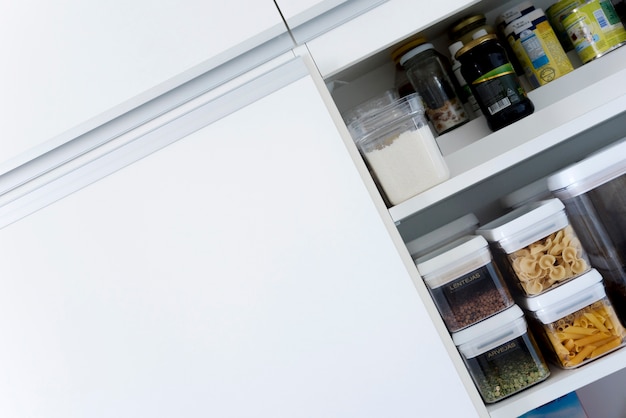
(530, 136)
(559, 383)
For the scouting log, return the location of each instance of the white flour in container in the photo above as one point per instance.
(408, 164)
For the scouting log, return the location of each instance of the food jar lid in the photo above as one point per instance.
(453, 48)
(427, 243)
(453, 260)
(491, 332)
(595, 170)
(514, 13)
(464, 22)
(475, 42)
(567, 298)
(524, 22)
(537, 190)
(415, 51)
(404, 48)
(526, 224)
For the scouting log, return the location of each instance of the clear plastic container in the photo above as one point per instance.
(593, 191)
(537, 246)
(400, 149)
(501, 355)
(464, 282)
(427, 243)
(576, 322)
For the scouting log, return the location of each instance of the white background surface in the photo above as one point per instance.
(68, 62)
(218, 278)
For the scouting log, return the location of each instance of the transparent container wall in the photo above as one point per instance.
(472, 297)
(547, 262)
(584, 335)
(600, 235)
(508, 369)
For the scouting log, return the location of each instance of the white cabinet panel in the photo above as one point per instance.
(243, 271)
(70, 66)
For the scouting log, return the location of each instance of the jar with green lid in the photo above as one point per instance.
(493, 81)
(431, 75)
(463, 29)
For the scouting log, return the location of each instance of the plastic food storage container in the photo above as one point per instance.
(400, 149)
(576, 322)
(593, 191)
(427, 243)
(537, 246)
(464, 282)
(501, 355)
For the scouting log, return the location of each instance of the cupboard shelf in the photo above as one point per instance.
(568, 107)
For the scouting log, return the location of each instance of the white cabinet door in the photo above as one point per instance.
(242, 271)
(70, 66)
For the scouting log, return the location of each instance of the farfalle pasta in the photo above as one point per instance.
(549, 261)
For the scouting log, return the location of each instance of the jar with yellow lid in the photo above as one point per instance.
(402, 84)
(463, 29)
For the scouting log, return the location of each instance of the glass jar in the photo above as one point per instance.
(431, 75)
(492, 79)
(402, 84)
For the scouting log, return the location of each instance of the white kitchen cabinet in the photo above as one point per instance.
(575, 115)
(228, 262)
(71, 67)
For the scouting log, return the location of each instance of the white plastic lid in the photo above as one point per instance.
(567, 298)
(537, 190)
(491, 332)
(514, 13)
(595, 170)
(526, 224)
(413, 52)
(523, 23)
(453, 260)
(479, 33)
(427, 243)
(454, 48)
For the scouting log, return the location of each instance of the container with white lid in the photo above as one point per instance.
(532, 192)
(593, 191)
(465, 225)
(464, 282)
(576, 322)
(501, 355)
(536, 247)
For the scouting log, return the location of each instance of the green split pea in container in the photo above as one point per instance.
(492, 79)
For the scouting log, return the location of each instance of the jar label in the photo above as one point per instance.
(499, 89)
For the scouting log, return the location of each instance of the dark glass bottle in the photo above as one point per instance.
(493, 81)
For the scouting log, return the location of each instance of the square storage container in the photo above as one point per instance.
(576, 322)
(501, 355)
(536, 247)
(399, 149)
(427, 243)
(464, 282)
(593, 191)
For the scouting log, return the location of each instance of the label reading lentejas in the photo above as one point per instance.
(499, 88)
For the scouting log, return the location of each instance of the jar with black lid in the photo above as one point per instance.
(493, 81)
(431, 75)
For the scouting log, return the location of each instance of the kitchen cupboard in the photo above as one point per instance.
(205, 269)
(71, 67)
(577, 114)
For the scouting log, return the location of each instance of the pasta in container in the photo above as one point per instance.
(576, 322)
(537, 247)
